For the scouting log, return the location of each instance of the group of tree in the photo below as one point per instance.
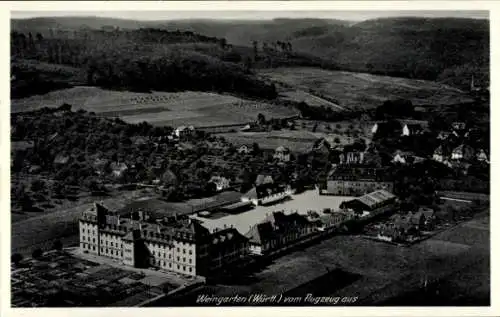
(148, 59)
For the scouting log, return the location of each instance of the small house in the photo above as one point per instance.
(220, 182)
(443, 135)
(118, 169)
(184, 131)
(244, 149)
(282, 154)
(482, 156)
(458, 126)
(61, 159)
(441, 154)
(462, 152)
(412, 129)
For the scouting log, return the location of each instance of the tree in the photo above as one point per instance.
(37, 253)
(255, 50)
(255, 148)
(16, 258)
(57, 245)
(261, 119)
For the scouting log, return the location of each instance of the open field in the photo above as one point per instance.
(158, 108)
(41, 231)
(364, 90)
(383, 271)
(302, 138)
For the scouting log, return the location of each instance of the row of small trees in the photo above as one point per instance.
(37, 253)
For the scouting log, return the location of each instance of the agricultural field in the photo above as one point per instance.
(296, 141)
(359, 90)
(302, 138)
(158, 108)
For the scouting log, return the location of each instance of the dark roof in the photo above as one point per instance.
(261, 232)
(359, 173)
(227, 236)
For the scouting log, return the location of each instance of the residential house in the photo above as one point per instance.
(462, 152)
(356, 181)
(351, 157)
(443, 135)
(61, 159)
(182, 246)
(100, 165)
(282, 154)
(278, 232)
(220, 182)
(118, 169)
(442, 154)
(403, 157)
(458, 126)
(411, 224)
(321, 150)
(184, 131)
(374, 203)
(482, 156)
(244, 149)
(263, 179)
(412, 129)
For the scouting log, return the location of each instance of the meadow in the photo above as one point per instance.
(359, 90)
(158, 108)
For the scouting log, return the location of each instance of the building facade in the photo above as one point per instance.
(182, 246)
(356, 181)
(279, 232)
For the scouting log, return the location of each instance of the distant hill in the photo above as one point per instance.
(450, 50)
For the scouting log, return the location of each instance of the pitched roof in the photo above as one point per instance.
(264, 179)
(282, 149)
(261, 232)
(375, 197)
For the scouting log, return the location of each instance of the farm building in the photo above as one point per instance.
(373, 203)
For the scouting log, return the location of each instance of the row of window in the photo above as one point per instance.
(112, 251)
(88, 239)
(163, 264)
(89, 247)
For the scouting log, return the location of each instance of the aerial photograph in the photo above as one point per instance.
(271, 158)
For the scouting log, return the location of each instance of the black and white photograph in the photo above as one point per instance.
(249, 158)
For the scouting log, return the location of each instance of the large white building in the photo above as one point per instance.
(182, 246)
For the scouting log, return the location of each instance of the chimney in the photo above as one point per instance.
(158, 229)
(225, 226)
(118, 220)
(140, 226)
